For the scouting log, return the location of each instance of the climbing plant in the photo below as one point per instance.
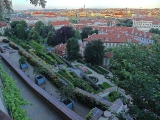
(12, 96)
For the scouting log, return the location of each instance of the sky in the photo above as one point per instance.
(72, 4)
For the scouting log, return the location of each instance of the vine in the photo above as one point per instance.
(12, 96)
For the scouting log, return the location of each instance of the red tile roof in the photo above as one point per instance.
(3, 24)
(109, 54)
(66, 23)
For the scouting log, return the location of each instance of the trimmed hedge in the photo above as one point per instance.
(76, 81)
(102, 69)
(52, 78)
(11, 44)
(67, 62)
(6, 41)
(81, 61)
(89, 101)
(59, 61)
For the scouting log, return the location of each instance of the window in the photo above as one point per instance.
(106, 39)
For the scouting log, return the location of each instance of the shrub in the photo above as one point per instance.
(11, 44)
(89, 115)
(81, 61)
(101, 69)
(6, 41)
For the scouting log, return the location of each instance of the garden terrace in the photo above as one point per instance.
(57, 105)
(56, 57)
(75, 80)
(92, 100)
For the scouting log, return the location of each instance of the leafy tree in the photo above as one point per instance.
(51, 28)
(154, 30)
(72, 49)
(66, 92)
(38, 26)
(20, 30)
(50, 38)
(33, 35)
(76, 34)
(44, 31)
(6, 6)
(94, 52)
(13, 24)
(86, 31)
(96, 31)
(7, 32)
(136, 69)
(63, 34)
(22, 60)
(23, 23)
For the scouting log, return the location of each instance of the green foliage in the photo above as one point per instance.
(102, 70)
(85, 32)
(12, 96)
(22, 60)
(56, 57)
(36, 46)
(33, 35)
(154, 30)
(38, 26)
(20, 30)
(89, 115)
(72, 49)
(11, 44)
(7, 32)
(135, 68)
(94, 52)
(67, 62)
(112, 96)
(46, 57)
(66, 92)
(81, 61)
(50, 38)
(76, 81)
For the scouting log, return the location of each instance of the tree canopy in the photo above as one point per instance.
(94, 52)
(73, 49)
(6, 6)
(85, 32)
(136, 69)
(33, 35)
(50, 38)
(63, 34)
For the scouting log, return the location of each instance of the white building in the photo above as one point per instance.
(145, 24)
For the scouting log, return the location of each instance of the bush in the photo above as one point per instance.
(112, 96)
(67, 62)
(95, 69)
(81, 61)
(89, 101)
(6, 41)
(89, 115)
(11, 44)
(56, 57)
(102, 70)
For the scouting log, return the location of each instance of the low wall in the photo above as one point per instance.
(63, 110)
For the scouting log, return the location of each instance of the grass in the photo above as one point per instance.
(89, 72)
(103, 87)
(112, 96)
(106, 85)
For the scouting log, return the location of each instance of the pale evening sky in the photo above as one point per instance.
(51, 4)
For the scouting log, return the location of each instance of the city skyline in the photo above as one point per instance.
(74, 4)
